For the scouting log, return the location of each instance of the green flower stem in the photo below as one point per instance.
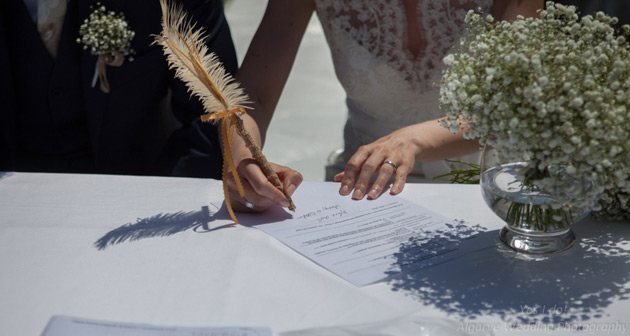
(535, 217)
(462, 176)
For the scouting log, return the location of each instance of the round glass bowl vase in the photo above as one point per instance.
(537, 222)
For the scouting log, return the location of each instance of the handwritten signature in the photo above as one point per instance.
(326, 212)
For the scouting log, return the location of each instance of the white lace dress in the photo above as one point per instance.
(387, 86)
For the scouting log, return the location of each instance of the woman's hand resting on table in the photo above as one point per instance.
(391, 155)
(396, 154)
(260, 194)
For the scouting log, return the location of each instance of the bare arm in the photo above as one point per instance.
(270, 56)
(509, 9)
(263, 74)
(426, 141)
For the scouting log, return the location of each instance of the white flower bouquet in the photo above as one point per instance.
(552, 91)
(108, 36)
(106, 32)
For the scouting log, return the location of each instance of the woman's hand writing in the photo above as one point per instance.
(260, 194)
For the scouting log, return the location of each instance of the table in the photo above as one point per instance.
(152, 250)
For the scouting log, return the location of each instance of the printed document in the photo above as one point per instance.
(369, 240)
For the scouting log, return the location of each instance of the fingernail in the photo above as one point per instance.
(394, 191)
(344, 190)
(357, 195)
(373, 194)
(291, 188)
(284, 204)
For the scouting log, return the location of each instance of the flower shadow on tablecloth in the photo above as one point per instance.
(167, 224)
(572, 287)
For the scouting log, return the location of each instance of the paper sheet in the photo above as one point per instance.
(369, 240)
(72, 326)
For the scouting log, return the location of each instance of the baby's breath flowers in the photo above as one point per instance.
(108, 36)
(106, 32)
(552, 91)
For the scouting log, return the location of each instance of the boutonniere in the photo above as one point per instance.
(108, 36)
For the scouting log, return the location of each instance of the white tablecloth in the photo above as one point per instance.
(151, 250)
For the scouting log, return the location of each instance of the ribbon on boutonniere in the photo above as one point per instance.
(107, 35)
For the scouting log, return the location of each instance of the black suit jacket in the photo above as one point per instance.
(51, 105)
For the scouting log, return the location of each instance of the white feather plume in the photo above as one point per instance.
(201, 70)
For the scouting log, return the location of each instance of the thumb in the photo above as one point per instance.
(291, 179)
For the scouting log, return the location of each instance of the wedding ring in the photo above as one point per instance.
(391, 164)
(249, 204)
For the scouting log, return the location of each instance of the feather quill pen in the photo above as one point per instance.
(222, 97)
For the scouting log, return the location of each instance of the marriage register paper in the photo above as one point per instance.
(365, 241)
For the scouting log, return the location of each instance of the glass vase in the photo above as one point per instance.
(537, 222)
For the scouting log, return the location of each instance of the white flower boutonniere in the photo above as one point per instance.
(108, 36)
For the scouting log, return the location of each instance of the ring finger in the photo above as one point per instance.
(368, 169)
(384, 175)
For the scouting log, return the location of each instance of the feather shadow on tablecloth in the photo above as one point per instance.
(160, 225)
(168, 224)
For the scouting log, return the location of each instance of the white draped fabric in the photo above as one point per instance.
(153, 250)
